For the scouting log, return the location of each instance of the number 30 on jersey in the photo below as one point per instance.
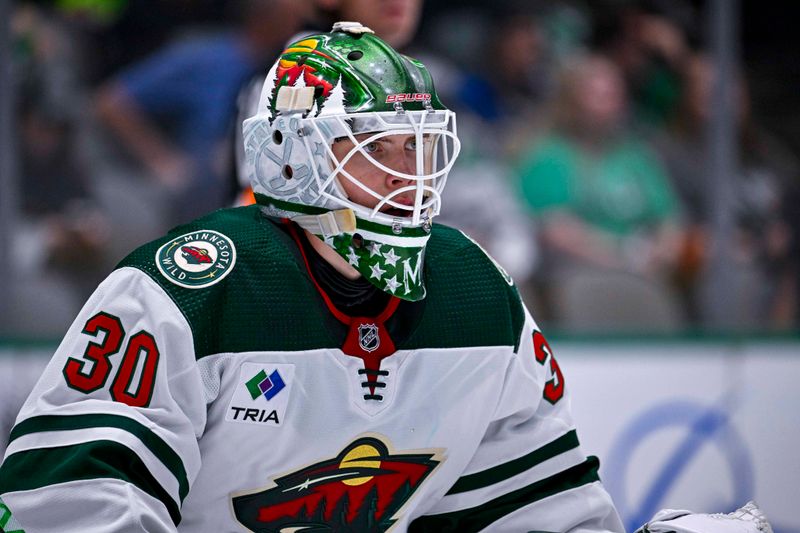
(90, 372)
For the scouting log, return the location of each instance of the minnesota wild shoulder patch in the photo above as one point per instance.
(197, 259)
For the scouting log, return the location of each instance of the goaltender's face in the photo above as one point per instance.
(397, 152)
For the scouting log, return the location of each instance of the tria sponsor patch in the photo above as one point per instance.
(197, 259)
(262, 394)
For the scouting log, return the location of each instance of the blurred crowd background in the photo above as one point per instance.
(634, 165)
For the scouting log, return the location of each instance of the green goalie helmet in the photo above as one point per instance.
(350, 89)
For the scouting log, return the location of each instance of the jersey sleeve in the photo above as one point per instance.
(529, 472)
(108, 439)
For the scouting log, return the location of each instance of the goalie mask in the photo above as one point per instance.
(352, 143)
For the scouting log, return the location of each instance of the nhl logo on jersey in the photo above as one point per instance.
(368, 337)
(197, 259)
(362, 489)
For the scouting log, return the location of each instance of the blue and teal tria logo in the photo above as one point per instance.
(266, 386)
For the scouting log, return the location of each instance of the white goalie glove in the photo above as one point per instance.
(747, 519)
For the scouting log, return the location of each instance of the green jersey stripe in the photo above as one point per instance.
(34, 469)
(490, 476)
(477, 518)
(154, 443)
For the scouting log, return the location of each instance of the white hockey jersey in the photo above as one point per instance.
(209, 386)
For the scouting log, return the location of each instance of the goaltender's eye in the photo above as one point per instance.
(411, 144)
(371, 148)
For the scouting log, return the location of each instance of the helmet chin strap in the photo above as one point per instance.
(328, 224)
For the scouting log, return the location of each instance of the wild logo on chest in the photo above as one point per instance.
(362, 490)
(262, 394)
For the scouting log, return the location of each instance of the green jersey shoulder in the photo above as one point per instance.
(242, 285)
(471, 300)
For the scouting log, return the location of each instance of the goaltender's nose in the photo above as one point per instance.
(404, 162)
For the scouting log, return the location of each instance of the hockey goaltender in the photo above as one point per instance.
(327, 359)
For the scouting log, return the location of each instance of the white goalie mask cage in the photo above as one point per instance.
(292, 160)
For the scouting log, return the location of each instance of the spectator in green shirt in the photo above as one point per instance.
(600, 195)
